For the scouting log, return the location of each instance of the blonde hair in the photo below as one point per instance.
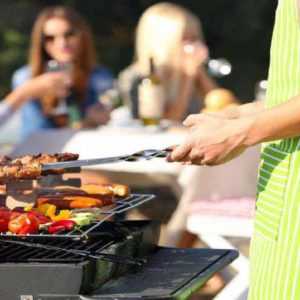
(159, 34)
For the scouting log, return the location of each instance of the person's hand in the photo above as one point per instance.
(212, 140)
(54, 83)
(201, 118)
(57, 84)
(96, 115)
(193, 55)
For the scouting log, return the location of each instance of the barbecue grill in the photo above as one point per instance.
(122, 261)
(103, 260)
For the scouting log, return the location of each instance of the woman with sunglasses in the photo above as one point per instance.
(61, 35)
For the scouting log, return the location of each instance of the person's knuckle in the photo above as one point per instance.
(195, 154)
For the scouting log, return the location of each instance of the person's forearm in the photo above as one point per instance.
(16, 98)
(244, 110)
(251, 108)
(12, 102)
(282, 121)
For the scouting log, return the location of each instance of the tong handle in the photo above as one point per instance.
(148, 154)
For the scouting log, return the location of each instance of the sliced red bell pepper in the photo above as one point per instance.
(4, 225)
(24, 224)
(62, 225)
(42, 218)
(5, 213)
(56, 229)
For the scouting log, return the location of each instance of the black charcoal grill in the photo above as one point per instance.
(30, 273)
(106, 260)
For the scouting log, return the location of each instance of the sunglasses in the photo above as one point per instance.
(49, 38)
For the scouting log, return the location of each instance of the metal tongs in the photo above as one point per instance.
(137, 156)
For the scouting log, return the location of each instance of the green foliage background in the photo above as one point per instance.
(239, 30)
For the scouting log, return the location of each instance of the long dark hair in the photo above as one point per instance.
(83, 64)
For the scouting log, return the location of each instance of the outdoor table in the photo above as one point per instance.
(109, 141)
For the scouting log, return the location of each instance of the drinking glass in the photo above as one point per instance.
(59, 113)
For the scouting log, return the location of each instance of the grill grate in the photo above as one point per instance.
(100, 247)
(134, 200)
(12, 252)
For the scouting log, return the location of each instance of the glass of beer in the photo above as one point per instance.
(59, 114)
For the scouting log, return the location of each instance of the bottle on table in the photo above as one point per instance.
(151, 97)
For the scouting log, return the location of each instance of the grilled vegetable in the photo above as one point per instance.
(15, 214)
(5, 216)
(24, 224)
(4, 213)
(82, 219)
(4, 225)
(47, 210)
(62, 225)
(42, 218)
(64, 214)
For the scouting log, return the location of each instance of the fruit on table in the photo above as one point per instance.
(218, 99)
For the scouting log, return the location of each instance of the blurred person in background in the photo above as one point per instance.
(56, 83)
(171, 36)
(60, 34)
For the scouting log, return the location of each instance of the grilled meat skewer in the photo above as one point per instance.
(30, 166)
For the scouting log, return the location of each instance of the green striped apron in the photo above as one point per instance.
(275, 246)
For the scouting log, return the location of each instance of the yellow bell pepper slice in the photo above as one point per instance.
(63, 215)
(48, 210)
(29, 207)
